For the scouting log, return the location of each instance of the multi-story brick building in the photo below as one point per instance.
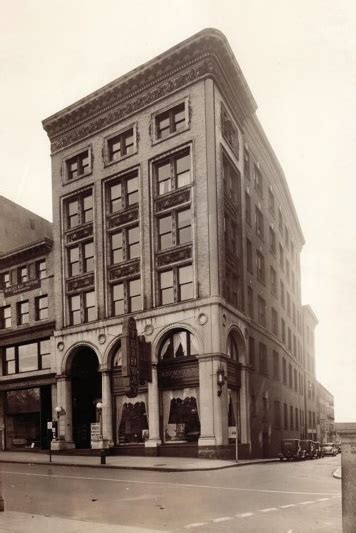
(27, 381)
(170, 206)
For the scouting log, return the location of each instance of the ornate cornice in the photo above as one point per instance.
(205, 55)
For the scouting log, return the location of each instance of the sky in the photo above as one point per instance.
(299, 59)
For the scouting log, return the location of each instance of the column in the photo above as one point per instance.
(65, 420)
(347, 432)
(245, 407)
(107, 409)
(154, 439)
(206, 401)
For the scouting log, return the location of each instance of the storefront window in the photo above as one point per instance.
(132, 419)
(181, 415)
(23, 428)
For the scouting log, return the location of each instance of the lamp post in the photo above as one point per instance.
(99, 407)
(220, 378)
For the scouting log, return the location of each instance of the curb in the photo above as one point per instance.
(337, 473)
(144, 468)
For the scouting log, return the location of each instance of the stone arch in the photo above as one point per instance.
(73, 350)
(109, 352)
(163, 333)
(236, 334)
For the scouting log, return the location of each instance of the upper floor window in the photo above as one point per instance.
(23, 274)
(41, 303)
(259, 223)
(125, 244)
(5, 280)
(231, 180)
(261, 311)
(248, 208)
(171, 121)
(258, 180)
(174, 229)
(232, 349)
(121, 144)
(82, 308)
(126, 297)
(173, 172)
(263, 358)
(23, 312)
(5, 317)
(271, 203)
(249, 256)
(176, 284)
(41, 269)
(79, 210)
(247, 164)
(81, 259)
(273, 281)
(78, 165)
(260, 266)
(27, 357)
(123, 193)
(178, 343)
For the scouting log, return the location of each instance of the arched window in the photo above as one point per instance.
(117, 357)
(178, 343)
(232, 350)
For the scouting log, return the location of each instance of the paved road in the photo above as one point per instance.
(277, 498)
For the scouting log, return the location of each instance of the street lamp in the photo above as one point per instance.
(99, 407)
(220, 377)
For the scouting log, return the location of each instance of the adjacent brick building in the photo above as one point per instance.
(170, 206)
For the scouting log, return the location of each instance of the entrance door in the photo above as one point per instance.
(86, 392)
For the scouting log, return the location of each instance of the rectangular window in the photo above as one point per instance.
(231, 178)
(6, 317)
(23, 313)
(247, 164)
(123, 193)
(272, 241)
(174, 229)
(134, 296)
(89, 306)
(117, 254)
(250, 302)
(125, 244)
(249, 256)
(295, 380)
(126, 297)
(78, 165)
(184, 226)
(263, 358)
(285, 410)
(165, 235)
(283, 328)
(74, 264)
(290, 376)
(45, 353)
(81, 259)
(273, 274)
(176, 284)
(291, 417)
(171, 121)
(88, 257)
(277, 414)
(287, 271)
(281, 257)
(251, 349)
(260, 266)
(74, 310)
(259, 223)
(248, 208)
(173, 173)
(23, 274)
(289, 340)
(133, 237)
(275, 365)
(79, 210)
(41, 269)
(118, 301)
(296, 418)
(185, 283)
(288, 304)
(166, 286)
(41, 304)
(274, 321)
(284, 369)
(5, 280)
(10, 361)
(271, 204)
(258, 180)
(28, 357)
(261, 311)
(121, 145)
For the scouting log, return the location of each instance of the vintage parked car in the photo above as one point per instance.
(291, 449)
(318, 450)
(329, 448)
(308, 447)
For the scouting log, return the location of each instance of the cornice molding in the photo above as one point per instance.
(205, 55)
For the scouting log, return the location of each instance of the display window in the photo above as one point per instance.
(131, 419)
(23, 428)
(181, 415)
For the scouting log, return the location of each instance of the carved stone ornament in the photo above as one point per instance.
(149, 329)
(206, 54)
(202, 319)
(80, 284)
(79, 234)
(60, 346)
(123, 218)
(172, 200)
(102, 338)
(174, 256)
(124, 270)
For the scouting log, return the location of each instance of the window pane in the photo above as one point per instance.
(167, 296)
(118, 299)
(115, 197)
(74, 261)
(185, 276)
(166, 279)
(180, 345)
(184, 227)
(88, 208)
(183, 170)
(165, 232)
(28, 357)
(179, 117)
(164, 178)
(90, 306)
(116, 247)
(73, 214)
(134, 295)
(166, 283)
(89, 257)
(132, 190)
(133, 239)
(163, 125)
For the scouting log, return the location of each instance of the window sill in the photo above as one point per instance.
(109, 163)
(156, 140)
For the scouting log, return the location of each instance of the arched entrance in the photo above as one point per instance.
(86, 392)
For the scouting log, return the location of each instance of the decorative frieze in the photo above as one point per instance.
(22, 287)
(172, 200)
(123, 218)
(174, 256)
(79, 234)
(124, 271)
(80, 284)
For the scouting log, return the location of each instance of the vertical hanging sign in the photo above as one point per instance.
(130, 370)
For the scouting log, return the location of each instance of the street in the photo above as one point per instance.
(277, 497)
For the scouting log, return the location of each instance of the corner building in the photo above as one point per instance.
(170, 206)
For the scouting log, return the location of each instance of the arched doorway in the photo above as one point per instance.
(86, 392)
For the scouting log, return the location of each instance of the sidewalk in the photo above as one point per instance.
(164, 464)
(15, 522)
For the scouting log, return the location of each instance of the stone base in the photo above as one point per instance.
(57, 445)
(152, 443)
(206, 441)
(99, 444)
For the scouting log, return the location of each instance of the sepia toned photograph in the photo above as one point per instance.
(177, 266)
